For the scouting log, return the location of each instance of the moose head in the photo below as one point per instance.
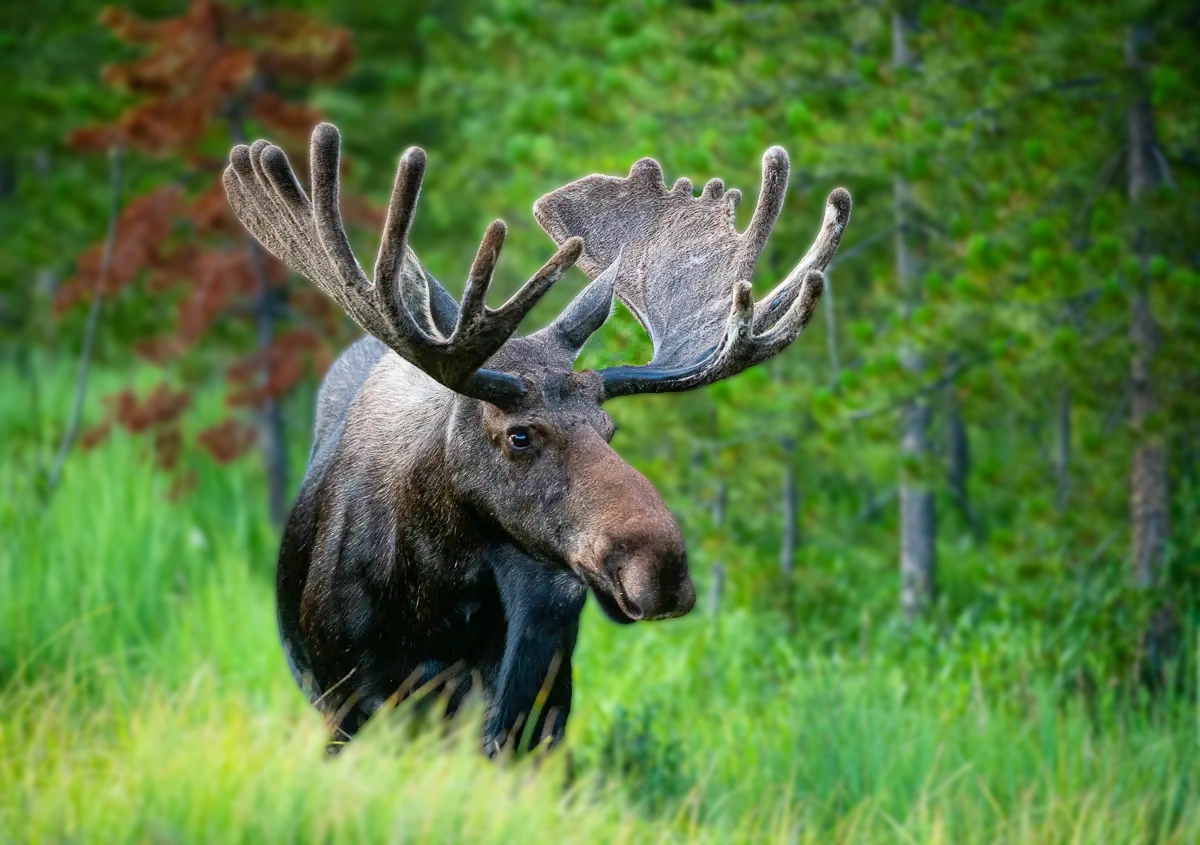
(521, 437)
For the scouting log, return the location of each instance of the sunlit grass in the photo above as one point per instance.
(204, 760)
(143, 698)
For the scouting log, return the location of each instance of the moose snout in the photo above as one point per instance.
(650, 576)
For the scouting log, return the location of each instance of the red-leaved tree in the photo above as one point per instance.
(205, 76)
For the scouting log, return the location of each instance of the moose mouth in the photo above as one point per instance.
(611, 597)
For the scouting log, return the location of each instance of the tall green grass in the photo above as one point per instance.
(143, 698)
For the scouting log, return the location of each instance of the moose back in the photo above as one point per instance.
(462, 497)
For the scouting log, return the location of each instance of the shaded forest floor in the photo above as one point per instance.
(143, 697)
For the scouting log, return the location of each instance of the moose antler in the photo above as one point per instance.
(684, 269)
(405, 307)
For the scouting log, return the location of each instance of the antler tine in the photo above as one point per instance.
(818, 257)
(251, 200)
(473, 311)
(410, 173)
(775, 170)
(509, 315)
(265, 195)
(476, 319)
(479, 327)
(294, 214)
(795, 320)
(324, 162)
(292, 205)
(309, 236)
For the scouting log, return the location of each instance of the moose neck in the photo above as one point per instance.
(400, 435)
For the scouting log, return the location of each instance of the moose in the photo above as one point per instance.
(461, 496)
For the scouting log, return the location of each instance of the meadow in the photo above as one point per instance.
(144, 698)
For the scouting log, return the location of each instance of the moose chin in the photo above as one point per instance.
(461, 497)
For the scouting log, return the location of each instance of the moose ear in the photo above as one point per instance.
(587, 312)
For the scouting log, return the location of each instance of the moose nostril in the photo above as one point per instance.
(631, 604)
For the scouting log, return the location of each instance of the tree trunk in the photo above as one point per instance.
(718, 518)
(958, 460)
(901, 24)
(1062, 453)
(790, 542)
(835, 366)
(1148, 482)
(790, 503)
(271, 432)
(918, 522)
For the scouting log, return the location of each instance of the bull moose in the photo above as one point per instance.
(461, 496)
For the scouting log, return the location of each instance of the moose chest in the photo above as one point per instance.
(372, 614)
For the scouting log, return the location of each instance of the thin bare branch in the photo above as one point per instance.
(89, 334)
(946, 378)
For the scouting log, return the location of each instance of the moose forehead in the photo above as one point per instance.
(559, 391)
(556, 403)
(551, 387)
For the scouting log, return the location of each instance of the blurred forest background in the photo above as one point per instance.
(948, 547)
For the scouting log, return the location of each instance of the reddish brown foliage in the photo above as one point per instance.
(213, 280)
(142, 227)
(161, 126)
(274, 371)
(158, 350)
(182, 485)
(189, 69)
(133, 30)
(210, 213)
(211, 67)
(228, 440)
(159, 412)
(296, 47)
(94, 436)
(161, 406)
(168, 444)
(95, 139)
(292, 119)
(199, 59)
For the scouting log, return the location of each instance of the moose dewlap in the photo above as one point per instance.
(462, 497)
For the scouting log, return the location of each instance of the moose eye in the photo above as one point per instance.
(519, 439)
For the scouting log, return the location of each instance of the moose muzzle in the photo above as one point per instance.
(642, 574)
